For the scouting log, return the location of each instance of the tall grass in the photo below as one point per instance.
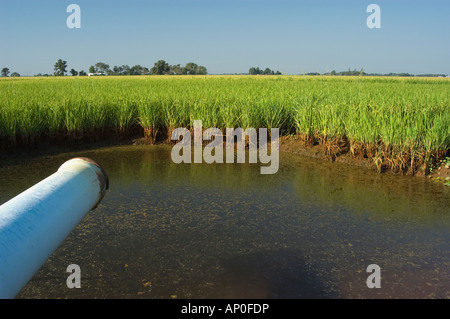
(385, 118)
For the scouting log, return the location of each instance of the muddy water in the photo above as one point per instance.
(225, 231)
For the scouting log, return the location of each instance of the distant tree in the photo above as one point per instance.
(255, 71)
(15, 74)
(160, 67)
(116, 70)
(122, 70)
(92, 69)
(39, 74)
(82, 73)
(135, 70)
(139, 70)
(350, 72)
(126, 70)
(73, 72)
(202, 70)
(101, 67)
(192, 68)
(176, 69)
(5, 72)
(403, 74)
(267, 71)
(60, 68)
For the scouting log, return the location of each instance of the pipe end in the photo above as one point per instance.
(102, 177)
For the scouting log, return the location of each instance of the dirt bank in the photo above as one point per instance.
(292, 144)
(289, 144)
(439, 173)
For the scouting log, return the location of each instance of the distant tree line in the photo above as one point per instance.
(266, 71)
(433, 75)
(344, 73)
(160, 67)
(363, 73)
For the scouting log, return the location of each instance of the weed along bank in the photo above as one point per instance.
(235, 144)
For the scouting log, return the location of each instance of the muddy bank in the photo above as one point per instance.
(340, 151)
(291, 144)
(54, 144)
(343, 153)
(440, 172)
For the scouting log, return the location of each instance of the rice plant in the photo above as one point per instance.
(401, 122)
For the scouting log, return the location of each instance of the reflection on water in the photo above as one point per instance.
(226, 231)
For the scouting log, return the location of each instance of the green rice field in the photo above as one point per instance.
(400, 123)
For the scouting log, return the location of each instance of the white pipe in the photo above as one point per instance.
(34, 223)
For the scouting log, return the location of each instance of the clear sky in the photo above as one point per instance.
(228, 36)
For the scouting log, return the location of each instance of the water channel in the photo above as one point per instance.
(167, 230)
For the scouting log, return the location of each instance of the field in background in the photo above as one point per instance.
(402, 124)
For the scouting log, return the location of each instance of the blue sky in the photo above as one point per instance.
(229, 36)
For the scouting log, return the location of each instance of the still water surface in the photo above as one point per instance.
(168, 230)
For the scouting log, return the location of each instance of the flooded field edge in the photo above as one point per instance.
(439, 172)
(160, 234)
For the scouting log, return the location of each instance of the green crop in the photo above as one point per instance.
(394, 115)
